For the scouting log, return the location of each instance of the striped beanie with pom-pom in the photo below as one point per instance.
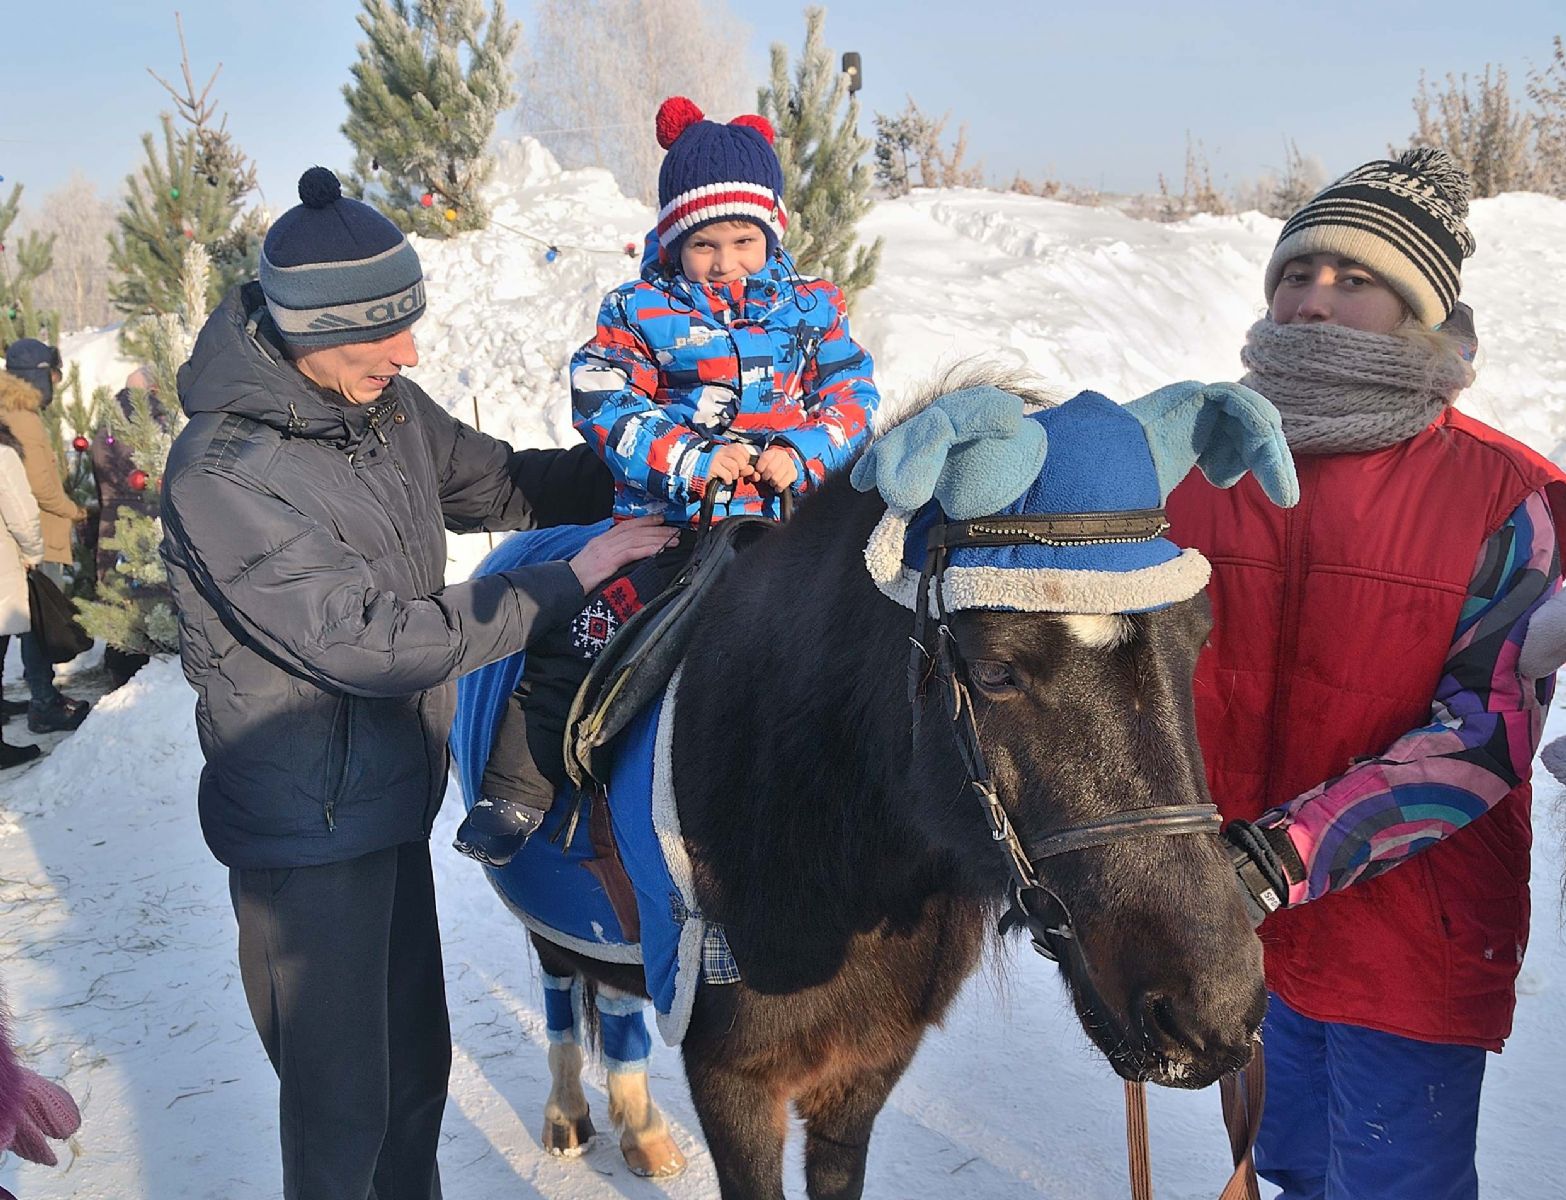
(1402, 219)
(715, 172)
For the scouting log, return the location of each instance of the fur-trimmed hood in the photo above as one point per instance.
(17, 395)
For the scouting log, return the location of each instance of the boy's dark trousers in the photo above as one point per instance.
(527, 758)
(342, 970)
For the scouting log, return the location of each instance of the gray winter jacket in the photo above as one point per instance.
(305, 542)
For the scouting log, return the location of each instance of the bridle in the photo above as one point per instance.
(1033, 904)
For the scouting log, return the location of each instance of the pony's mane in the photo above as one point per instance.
(974, 372)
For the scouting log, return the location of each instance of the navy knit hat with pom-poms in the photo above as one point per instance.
(335, 271)
(715, 172)
(1403, 220)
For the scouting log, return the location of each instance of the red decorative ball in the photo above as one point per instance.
(675, 116)
(79, 443)
(759, 123)
(138, 480)
(630, 249)
(427, 199)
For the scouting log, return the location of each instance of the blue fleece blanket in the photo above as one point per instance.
(548, 884)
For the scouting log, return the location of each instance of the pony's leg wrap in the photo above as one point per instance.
(645, 1140)
(568, 1127)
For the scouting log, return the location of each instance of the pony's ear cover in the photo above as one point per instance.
(972, 450)
(1226, 429)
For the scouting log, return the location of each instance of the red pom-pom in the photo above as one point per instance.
(675, 116)
(138, 480)
(759, 123)
(79, 443)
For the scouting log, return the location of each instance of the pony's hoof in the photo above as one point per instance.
(569, 1138)
(657, 1159)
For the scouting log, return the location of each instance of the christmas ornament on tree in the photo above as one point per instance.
(451, 214)
(137, 480)
(630, 249)
(173, 193)
(79, 443)
(551, 254)
(428, 199)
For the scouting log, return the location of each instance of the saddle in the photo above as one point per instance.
(639, 660)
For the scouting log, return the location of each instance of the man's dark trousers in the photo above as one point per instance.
(342, 970)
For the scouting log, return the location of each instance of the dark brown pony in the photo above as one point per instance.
(853, 869)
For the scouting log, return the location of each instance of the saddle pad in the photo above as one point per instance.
(548, 885)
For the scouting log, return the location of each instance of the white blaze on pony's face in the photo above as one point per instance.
(1099, 632)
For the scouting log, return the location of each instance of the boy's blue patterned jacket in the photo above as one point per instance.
(676, 369)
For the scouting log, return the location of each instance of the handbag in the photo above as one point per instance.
(54, 620)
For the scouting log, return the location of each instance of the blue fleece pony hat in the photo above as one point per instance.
(1097, 471)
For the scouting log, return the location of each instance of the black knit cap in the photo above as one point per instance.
(1404, 220)
(336, 271)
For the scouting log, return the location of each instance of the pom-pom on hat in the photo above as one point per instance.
(1404, 220)
(715, 172)
(335, 271)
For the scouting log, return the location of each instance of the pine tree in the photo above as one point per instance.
(193, 190)
(133, 610)
(419, 125)
(22, 262)
(825, 176)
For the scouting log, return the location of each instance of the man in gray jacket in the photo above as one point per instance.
(305, 507)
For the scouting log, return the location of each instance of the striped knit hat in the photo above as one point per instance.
(335, 271)
(715, 173)
(1403, 220)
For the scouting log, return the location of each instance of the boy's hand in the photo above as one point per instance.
(729, 463)
(627, 542)
(775, 468)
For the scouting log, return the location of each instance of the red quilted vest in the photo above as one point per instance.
(1331, 624)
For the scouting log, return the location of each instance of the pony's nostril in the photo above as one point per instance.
(1161, 1025)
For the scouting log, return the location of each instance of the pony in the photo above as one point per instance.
(837, 831)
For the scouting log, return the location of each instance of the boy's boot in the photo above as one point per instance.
(496, 829)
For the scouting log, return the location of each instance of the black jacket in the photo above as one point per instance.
(306, 547)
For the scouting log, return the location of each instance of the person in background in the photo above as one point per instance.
(32, 368)
(112, 469)
(21, 549)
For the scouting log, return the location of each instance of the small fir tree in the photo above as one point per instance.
(419, 124)
(133, 610)
(824, 172)
(23, 261)
(192, 190)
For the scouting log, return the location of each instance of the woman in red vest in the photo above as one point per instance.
(1366, 727)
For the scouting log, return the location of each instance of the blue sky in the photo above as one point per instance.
(1099, 94)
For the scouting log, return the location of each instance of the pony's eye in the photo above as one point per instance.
(992, 676)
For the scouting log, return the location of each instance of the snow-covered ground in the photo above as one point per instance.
(117, 938)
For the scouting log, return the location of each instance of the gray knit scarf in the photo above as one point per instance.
(1342, 390)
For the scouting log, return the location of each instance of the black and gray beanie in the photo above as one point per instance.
(1403, 220)
(335, 271)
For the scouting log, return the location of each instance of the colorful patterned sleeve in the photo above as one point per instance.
(613, 381)
(840, 396)
(1485, 723)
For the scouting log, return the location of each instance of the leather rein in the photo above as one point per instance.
(1034, 904)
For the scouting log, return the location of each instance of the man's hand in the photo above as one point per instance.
(1266, 863)
(775, 469)
(728, 463)
(627, 542)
